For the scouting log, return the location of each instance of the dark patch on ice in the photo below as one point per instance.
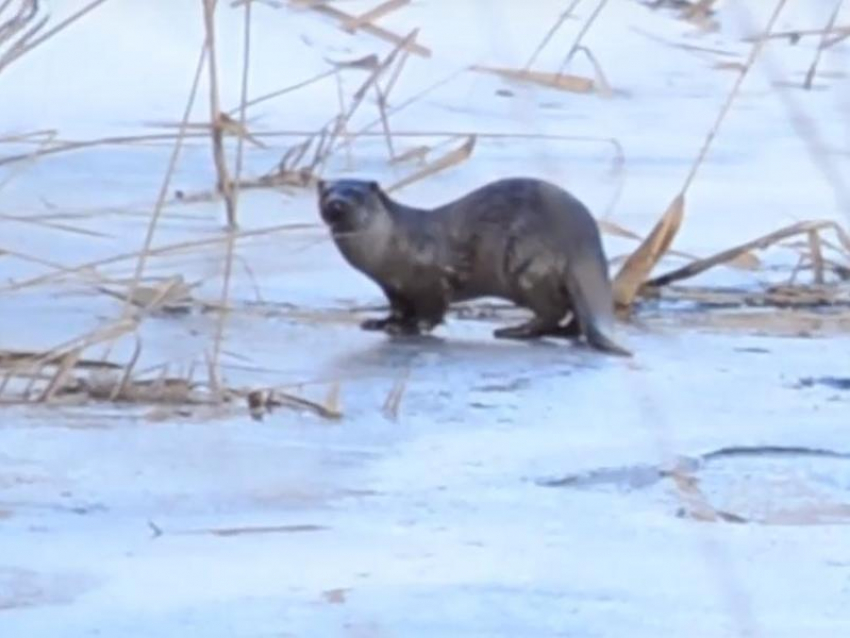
(834, 383)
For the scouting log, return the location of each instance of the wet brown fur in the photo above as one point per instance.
(520, 239)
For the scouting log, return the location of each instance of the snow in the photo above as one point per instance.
(130, 521)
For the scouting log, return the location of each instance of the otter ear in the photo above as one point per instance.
(320, 185)
(375, 187)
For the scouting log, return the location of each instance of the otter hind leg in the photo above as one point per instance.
(546, 299)
(570, 329)
(533, 329)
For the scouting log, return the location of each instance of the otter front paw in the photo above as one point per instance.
(391, 325)
(516, 332)
(402, 328)
(376, 324)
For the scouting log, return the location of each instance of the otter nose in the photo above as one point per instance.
(334, 210)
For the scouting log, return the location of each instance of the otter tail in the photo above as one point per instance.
(601, 341)
(590, 292)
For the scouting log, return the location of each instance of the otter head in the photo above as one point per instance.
(348, 205)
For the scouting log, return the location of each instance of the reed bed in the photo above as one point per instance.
(823, 246)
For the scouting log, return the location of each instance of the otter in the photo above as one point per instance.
(524, 240)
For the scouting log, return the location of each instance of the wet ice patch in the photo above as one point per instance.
(768, 485)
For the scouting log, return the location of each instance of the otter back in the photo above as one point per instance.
(520, 239)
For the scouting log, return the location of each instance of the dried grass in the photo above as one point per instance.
(167, 249)
(810, 74)
(31, 30)
(441, 163)
(385, 8)
(365, 24)
(640, 263)
(700, 266)
(55, 374)
(392, 404)
(558, 81)
(166, 182)
(234, 195)
(224, 184)
(551, 33)
(628, 281)
(264, 400)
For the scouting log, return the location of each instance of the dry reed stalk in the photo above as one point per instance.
(392, 404)
(413, 99)
(224, 184)
(12, 174)
(32, 137)
(382, 97)
(344, 118)
(163, 190)
(74, 145)
(603, 86)
(816, 256)
(13, 25)
(582, 32)
(239, 130)
(396, 72)
(31, 40)
(801, 262)
(730, 98)
(332, 403)
(417, 154)
(551, 33)
(63, 355)
(559, 81)
(265, 399)
(842, 32)
(699, 10)
(840, 37)
(385, 122)
(66, 364)
(170, 294)
(810, 74)
(385, 8)
(228, 126)
(12, 358)
(228, 264)
(746, 261)
(260, 529)
(372, 29)
(287, 173)
(31, 259)
(33, 221)
(289, 89)
(443, 162)
(340, 96)
(158, 251)
(682, 45)
(637, 268)
(640, 263)
(127, 376)
(700, 266)
(819, 153)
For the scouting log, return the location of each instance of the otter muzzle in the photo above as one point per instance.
(334, 210)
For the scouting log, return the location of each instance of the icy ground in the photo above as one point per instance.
(452, 517)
